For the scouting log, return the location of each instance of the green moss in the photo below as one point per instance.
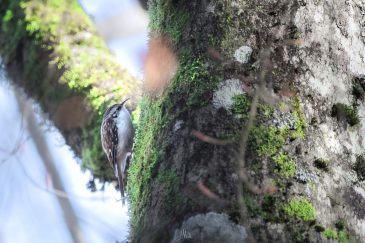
(348, 113)
(271, 211)
(167, 177)
(175, 30)
(193, 82)
(340, 233)
(8, 16)
(170, 185)
(162, 12)
(193, 86)
(360, 166)
(266, 110)
(345, 237)
(156, 15)
(321, 164)
(299, 120)
(352, 117)
(146, 155)
(251, 205)
(267, 140)
(283, 106)
(136, 114)
(300, 208)
(330, 234)
(241, 104)
(285, 165)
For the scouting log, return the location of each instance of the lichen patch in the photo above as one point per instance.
(222, 97)
(210, 227)
(330, 140)
(243, 54)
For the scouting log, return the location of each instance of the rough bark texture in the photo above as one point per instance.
(307, 138)
(51, 49)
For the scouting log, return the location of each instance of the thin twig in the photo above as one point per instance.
(208, 139)
(43, 150)
(62, 194)
(208, 193)
(56, 192)
(243, 174)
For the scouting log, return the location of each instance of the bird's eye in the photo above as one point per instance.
(119, 107)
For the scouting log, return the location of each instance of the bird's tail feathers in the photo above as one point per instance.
(120, 181)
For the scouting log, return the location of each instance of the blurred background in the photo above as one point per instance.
(30, 210)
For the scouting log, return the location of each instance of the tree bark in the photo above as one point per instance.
(258, 136)
(51, 49)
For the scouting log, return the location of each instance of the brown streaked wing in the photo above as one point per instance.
(110, 140)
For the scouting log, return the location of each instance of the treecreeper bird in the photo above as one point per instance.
(117, 139)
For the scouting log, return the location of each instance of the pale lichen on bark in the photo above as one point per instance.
(314, 54)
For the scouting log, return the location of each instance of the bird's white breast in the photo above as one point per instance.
(124, 125)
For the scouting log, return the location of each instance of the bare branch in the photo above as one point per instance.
(42, 148)
(57, 192)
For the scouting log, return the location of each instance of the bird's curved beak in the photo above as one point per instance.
(124, 101)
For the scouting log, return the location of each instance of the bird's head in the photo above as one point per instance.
(114, 110)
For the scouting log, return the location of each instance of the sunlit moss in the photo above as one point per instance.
(299, 119)
(241, 104)
(285, 165)
(340, 233)
(266, 110)
(300, 208)
(8, 15)
(193, 85)
(330, 234)
(136, 114)
(146, 155)
(155, 114)
(267, 140)
(193, 80)
(345, 237)
(162, 12)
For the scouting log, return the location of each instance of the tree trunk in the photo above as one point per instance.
(258, 137)
(51, 49)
